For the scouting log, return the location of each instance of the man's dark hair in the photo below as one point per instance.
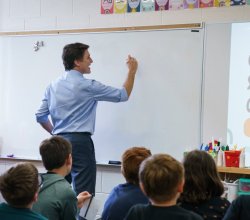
(54, 152)
(72, 52)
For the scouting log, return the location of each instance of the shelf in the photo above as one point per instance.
(234, 170)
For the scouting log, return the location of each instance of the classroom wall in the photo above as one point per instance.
(28, 15)
(1, 95)
(32, 15)
(216, 82)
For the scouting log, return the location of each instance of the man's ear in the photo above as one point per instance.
(76, 62)
(181, 186)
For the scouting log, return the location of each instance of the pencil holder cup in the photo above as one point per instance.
(231, 190)
(232, 158)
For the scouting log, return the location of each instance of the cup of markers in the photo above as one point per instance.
(223, 156)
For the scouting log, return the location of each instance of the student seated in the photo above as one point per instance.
(239, 209)
(161, 179)
(19, 187)
(56, 199)
(203, 187)
(124, 196)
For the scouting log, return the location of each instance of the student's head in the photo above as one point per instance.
(131, 160)
(202, 180)
(55, 153)
(76, 55)
(161, 178)
(19, 185)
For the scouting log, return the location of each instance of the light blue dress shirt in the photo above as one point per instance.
(71, 102)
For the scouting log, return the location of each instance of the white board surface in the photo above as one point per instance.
(163, 112)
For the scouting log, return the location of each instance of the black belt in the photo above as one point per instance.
(83, 133)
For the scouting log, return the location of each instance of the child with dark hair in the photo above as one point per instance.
(124, 196)
(161, 179)
(19, 187)
(203, 187)
(57, 200)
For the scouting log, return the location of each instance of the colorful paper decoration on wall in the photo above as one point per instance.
(129, 6)
(134, 5)
(221, 3)
(147, 5)
(238, 2)
(176, 4)
(161, 5)
(107, 6)
(206, 3)
(191, 4)
(120, 6)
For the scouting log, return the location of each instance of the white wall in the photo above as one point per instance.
(1, 95)
(216, 82)
(31, 15)
(28, 15)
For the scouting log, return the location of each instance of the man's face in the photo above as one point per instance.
(83, 65)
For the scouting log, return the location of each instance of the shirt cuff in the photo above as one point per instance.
(124, 95)
(42, 119)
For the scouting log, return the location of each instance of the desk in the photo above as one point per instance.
(233, 173)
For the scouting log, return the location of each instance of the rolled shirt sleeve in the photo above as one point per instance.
(102, 92)
(43, 111)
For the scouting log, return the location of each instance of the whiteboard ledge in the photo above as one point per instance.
(107, 165)
(115, 29)
(39, 160)
(20, 159)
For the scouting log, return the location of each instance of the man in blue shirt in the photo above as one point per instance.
(71, 102)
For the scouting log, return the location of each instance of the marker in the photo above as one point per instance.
(10, 155)
(207, 148)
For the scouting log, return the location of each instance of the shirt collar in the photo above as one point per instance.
(73, 74)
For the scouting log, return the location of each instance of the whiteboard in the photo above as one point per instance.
(164, 109)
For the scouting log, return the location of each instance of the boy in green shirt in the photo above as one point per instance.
(57, 200)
